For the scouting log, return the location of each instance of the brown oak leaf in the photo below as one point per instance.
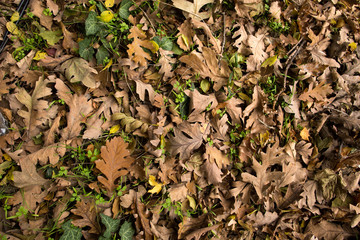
(186, 139)
(86, 209)
(318, 93)
(115, 163)
(37, 112)
(135, 51)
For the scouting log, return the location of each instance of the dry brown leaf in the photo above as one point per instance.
(28, 177)
(185, 35)
(178, 192)
(38, 10)
(86, 209)
(257, 46)
(318, 93)
(328, 230)
(68, 42)
(37, 112)
(206, 65)
(261, 219)
(186, 139)
(212, 172)
(200, 103)
(115, 162)
(215, 155)
(274, 155)
(135, 51)
(80, 107)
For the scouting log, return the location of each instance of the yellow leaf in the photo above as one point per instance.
(114, 129)
(157, 186)
(192, 202)
(185, 39)
(7, 157)
(155, 48)
(40, 55)
(109, 3)
(15, 16)
(92, 8)
(353, 46)
(106, 16)
(108, 65)
(264, 137)
(305, 134)
(11, 27)
(269, 62)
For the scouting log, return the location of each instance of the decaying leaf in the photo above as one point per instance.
(193, 8)
(186, 139)
(87, 210)
(78, 70)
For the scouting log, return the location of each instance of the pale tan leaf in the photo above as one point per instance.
(28, 177)
(178, 192)
(78, 70)
(193, 8)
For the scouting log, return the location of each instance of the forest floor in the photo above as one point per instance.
(180, 119)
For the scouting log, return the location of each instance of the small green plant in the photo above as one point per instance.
(270, 88)
(181, 99)
(107, 30)
(169, 205)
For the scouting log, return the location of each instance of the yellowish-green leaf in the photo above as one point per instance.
(155, 48)
(114, 129)
(15, 16)
(185, 39)
(40, 55)
(353, 46)
(108, 65)
(205, 85)
(109, 3)
(11, 27)
(156, 186)
(106, 16)
(270, 61)
(192, 202)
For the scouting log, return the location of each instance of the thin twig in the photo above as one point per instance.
(289, 63)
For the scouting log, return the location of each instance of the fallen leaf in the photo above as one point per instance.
(87, 210)
(186, 139)
(78, 70)
(305, 134)
(135, 51)
(115, 162)
(192, 9)
(156, 186)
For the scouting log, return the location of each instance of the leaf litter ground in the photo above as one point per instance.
(180, 120)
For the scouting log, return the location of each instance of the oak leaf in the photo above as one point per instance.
(186, 139)
(212, 172)
(200, 103)
(274, 155)
(79, 108)
(178, 192)
(28, 177)
(115, 163)
(86, 209)
(318, 93)
(135, 51)
(206, 65)
(37, 109)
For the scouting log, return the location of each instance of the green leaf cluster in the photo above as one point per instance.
(70, 232)
(106, 35)
(126, 231)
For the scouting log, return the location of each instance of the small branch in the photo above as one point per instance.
(299, 46)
